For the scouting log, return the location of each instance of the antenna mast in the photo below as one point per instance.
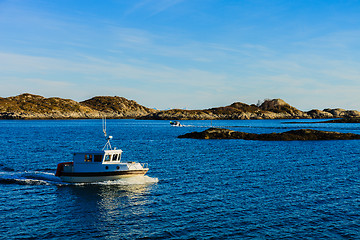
(108, 138)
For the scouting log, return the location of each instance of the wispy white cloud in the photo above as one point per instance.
(163, 5)
(60, 54)
(49, 83)
(335, 41)
(154, 7)
(95, 75)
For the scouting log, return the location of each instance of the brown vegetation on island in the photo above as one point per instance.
(29, 106)
(269, 109)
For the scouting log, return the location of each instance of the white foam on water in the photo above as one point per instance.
(137, 180)
(47, 178)
(29, 178)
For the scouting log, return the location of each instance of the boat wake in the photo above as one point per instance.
(137, 180)
(28, 178)
(9, 176)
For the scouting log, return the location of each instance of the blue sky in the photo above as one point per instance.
(192, 54)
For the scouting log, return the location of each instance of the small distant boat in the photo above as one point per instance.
(175, 124)
(98, 166)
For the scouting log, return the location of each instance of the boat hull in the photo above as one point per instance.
(88, 177)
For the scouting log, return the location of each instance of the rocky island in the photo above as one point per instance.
(30, 106)
(269, 109)
(344, 120)
(293, 135)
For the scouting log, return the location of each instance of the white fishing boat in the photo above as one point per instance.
(97, 166)
(175, 124)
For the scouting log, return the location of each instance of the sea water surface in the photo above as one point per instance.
(195, 189)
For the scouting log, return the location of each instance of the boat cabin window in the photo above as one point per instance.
(107, 158)
(115, 157)
(112, 157)
(88, 158)
(98, 158)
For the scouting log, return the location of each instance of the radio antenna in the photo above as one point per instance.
(108, 138)
(104, 125)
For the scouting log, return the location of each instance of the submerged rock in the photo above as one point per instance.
(299, 135)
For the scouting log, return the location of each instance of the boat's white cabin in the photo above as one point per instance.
(104, 157)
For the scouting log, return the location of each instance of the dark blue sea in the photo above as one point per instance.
(195, 189)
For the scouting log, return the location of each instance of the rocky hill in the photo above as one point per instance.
(29, 106)
(234, 111)
(269, 109)
(117, 107)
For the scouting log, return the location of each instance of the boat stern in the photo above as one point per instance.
(64, 167)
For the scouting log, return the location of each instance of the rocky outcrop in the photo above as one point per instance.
(269, 109)
(279, 106)
(234, 111)
(294, 135)
(319, 114)
(29, 106)
(117, 107)
(344, 120)
(342, 113)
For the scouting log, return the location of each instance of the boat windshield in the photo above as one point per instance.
(115, 157)
(107, 158)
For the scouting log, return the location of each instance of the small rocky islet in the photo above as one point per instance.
(293, 135)
(344, 120)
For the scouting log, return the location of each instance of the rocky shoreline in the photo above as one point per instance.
(30, 106)
(293, 135)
